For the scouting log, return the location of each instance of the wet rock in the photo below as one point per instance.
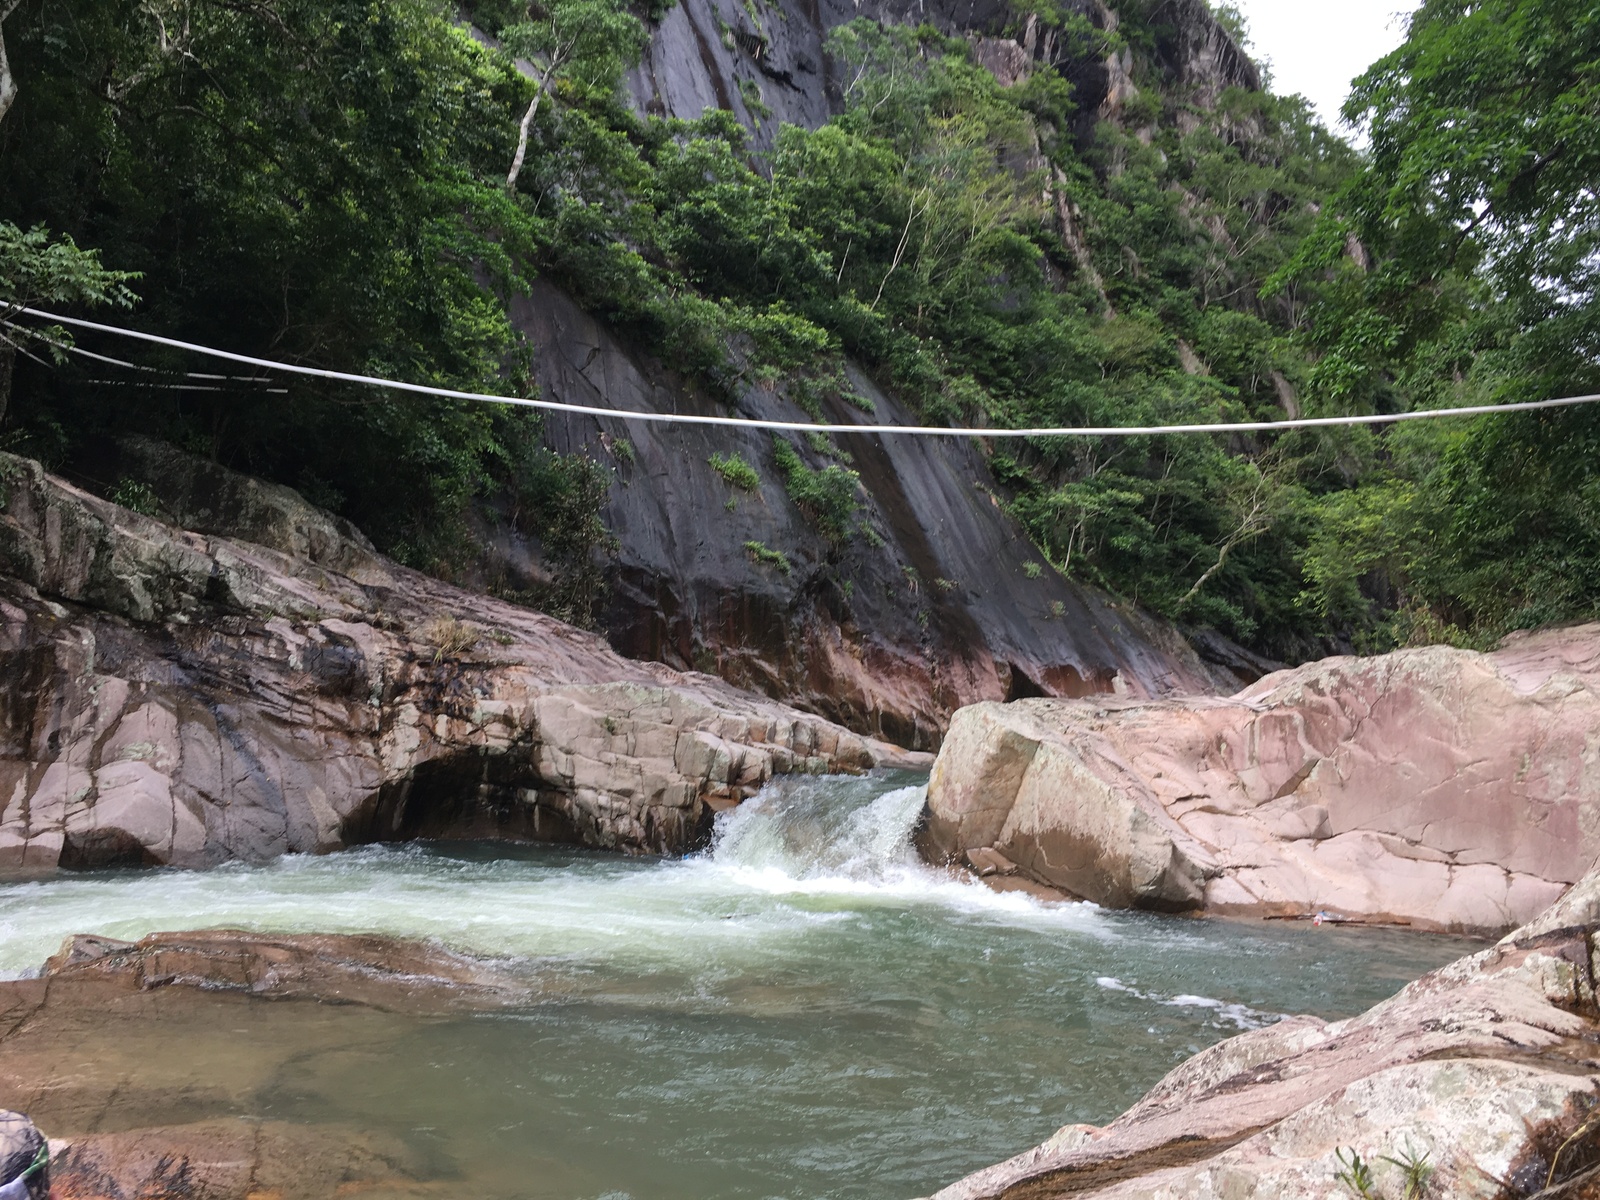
(138, 1057)
(173, 697)
(396, 974)
(1438, 787)
(1485, 1066)
(236, 1160)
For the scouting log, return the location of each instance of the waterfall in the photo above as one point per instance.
(824, 828)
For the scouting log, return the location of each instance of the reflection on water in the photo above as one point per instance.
(805, 1011)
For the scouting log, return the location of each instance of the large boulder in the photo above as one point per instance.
(170, 697)
(1487, 1068)
(1436, 787)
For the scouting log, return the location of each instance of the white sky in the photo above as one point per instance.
(1316, 48)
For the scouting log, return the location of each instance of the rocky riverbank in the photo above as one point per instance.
(170, 697)
(1439, 788)
(1489, 1067)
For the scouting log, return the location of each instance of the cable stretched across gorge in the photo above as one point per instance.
(808, 426)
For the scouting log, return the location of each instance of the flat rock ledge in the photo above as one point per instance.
(1438, 788)
(171, 697)
(392, 974)
(1490, 1067)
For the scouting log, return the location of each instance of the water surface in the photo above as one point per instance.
(803, 1012)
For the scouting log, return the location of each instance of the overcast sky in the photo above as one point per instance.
(1316, 49)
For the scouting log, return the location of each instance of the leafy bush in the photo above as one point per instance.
(762, 553)
(735, 471)
(827, 496)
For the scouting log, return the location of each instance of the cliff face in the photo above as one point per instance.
(750, 57)
(940, 605)
(945, 602)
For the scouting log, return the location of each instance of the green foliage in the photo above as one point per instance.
(828, 496)
(39, 270)
(314, 180)
(132, 494)
(327, 181)
(579, 50)
(1481, 230)
(557, 499)
(735, 471)
(1355, 1174)
(1415, 1171)
(762, 553)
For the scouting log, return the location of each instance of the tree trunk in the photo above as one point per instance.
(522, 140)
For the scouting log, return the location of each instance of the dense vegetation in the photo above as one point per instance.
(364, 186)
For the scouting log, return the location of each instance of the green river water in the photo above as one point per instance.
(802, 1012)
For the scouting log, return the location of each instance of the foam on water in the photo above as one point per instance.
(774, 865)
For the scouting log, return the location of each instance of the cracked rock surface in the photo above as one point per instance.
(168, 697)
(1437, 787)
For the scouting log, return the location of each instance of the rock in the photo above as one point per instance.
(1487, 1066)
(944, 604)
(986, 861)
(139, 1056)
(707, 54)
(1437, 787)
(172, 697)
(237, 1160)
(24, 1159)
(380, 972)
(194, 493)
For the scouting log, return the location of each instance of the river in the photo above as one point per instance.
(804, 1011)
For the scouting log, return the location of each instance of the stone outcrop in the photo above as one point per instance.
(768, 64)
(88, 1050)
(239, 1160)
(1490, 1067)
(172, 697)
(1436, 787)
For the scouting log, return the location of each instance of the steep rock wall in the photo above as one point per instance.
(937, 607)
(886, 639)
(750, 57)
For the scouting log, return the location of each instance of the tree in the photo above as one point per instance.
(584, 44)
(1481, 212)
(1485, 129)
(36, 269)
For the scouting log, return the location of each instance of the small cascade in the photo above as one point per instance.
(824, 828)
